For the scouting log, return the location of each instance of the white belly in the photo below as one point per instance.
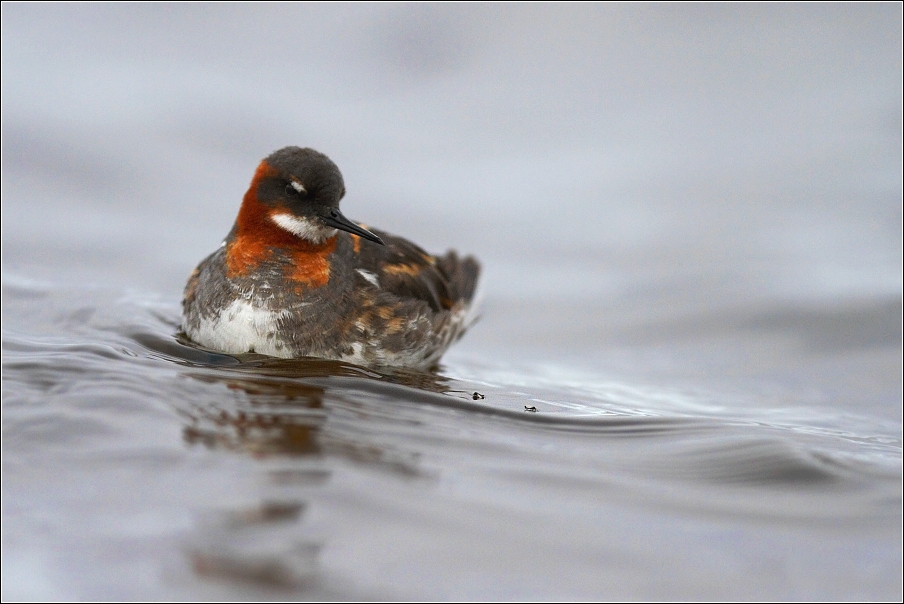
(243, 327)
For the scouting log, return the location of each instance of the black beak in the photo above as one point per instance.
(336, 220)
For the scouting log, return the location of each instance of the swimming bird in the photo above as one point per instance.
(296, 278)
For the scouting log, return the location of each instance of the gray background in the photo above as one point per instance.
(580, 151)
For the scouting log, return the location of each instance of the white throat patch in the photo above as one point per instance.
(307, 229)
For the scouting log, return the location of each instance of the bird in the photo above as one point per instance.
(295, 278)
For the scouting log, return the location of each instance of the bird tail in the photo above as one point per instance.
(461, 274)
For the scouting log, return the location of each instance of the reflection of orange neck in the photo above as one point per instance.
(256, 236)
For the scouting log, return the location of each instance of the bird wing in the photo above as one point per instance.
(406, 270)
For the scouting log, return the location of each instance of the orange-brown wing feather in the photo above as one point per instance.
(407, 271)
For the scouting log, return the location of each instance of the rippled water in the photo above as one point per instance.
(686, 381)
(135, 464)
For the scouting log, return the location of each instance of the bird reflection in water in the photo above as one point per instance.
(277, 411)
(276, 415)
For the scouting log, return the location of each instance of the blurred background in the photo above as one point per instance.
(719, 154)
(692, 196)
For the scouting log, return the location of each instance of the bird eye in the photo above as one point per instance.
(295, 187)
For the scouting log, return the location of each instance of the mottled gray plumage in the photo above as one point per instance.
(347, 298)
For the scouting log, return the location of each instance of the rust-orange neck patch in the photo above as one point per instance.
(256, 237)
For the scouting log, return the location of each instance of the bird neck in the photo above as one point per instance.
(261, 229)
